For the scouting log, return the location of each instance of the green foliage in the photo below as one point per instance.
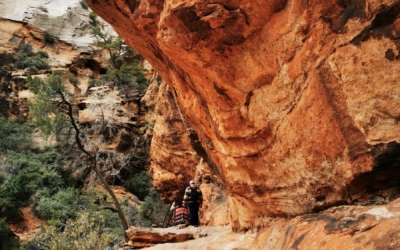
(45, 109)
(25, 58)
(26, 49)
(152, 210)
(42, 54)
(35, 171)
(43, 8)
(52, 205)
(125, 71)
(83, 233)
(48, 38)
(97, 82)
(8, 239)
(93, 17)
(74, 80)
(13, 134)
(2, 179)
(114, 45)
(83, 5)
(139, 184)
(130, 75)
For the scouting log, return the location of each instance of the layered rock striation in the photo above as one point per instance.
(65, 20)
(296, 103)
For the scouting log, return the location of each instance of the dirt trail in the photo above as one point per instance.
(211, 238)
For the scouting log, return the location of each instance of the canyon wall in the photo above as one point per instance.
(295, 103)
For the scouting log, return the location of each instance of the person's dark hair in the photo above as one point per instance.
(178, 201)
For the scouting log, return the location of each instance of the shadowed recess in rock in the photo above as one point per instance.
(381, 25)
(385, 173)
(354, 9)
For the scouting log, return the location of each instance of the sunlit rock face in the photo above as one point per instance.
(296, 103)
(64, 19)
(343, 227)
(177, 156)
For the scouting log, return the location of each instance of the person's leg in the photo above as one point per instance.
(196, 214)
(192, 213)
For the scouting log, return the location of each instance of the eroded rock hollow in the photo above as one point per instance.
(295, 102)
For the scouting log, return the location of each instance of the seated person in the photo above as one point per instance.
(181, 213)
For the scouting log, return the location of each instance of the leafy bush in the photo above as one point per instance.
(74, 80)
(26, 49)
(42, 54)
(32, 63)
(8, 239)
(139, 184)
(125, 71)
(35, 171)
(152, 210)
(13, 134)
(45, 109)
(83, 5)
(52, 206)
(26, 59)
(48, 38)
(93, 17)
(16, 193)
(43, 8)
(85, 232)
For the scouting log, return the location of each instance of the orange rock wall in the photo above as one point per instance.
(293, 101)
(344, 227)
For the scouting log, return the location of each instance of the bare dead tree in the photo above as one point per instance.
(93, 162)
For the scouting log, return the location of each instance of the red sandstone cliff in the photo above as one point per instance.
(296, 103)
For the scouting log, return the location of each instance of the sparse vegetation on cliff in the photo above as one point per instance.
(83, 5)
(125, 71)
(52, 109)
(27, 59)
(48, 38)
(88, 231)
(43, 8)
(93, 17)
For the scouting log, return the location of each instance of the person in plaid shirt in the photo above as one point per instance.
(194, 199)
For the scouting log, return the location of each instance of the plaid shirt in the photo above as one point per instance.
(188, 191)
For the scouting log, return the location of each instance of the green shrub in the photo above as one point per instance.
(34, 63)
(52, 206)
(152, 210)
(87, 231)
(8, 239)
(74, 80)
(130, 75)
(47, 115)
(48, 38)
(43, 8)
(16, 194)
(83, 5)
(26, 49)
(13, 134)
(35, 172)
(25, 58)
(42, 54)
(139, 184)
(93, 17)
(96, 82)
